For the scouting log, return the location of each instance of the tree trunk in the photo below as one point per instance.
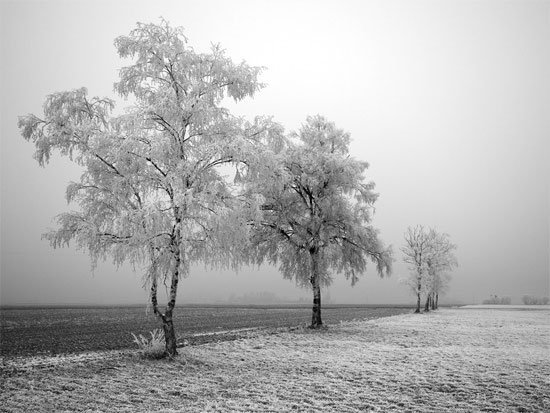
(418, 289)
(170, 342)
(168, 325)
(316, 321)
(169, 335)
(166, 318)
(432, 301)
(427, 305)
(436, 301)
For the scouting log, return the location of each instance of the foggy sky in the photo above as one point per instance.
(449, 102)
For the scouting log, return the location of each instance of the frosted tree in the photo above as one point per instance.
(152, 192)
(429, 255)
(316, 211)
(440, 287)
(416, 253)
(440, 261)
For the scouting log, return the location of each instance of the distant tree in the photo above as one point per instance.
(429, 255)
(152, 192)
(496, 300)
(316, 211)
(441, 259)
(532, 300)
(440, 286)
(416, 252)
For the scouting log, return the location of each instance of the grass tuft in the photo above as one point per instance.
(151, 348)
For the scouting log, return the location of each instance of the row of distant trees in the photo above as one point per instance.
(178, 180)
(533, 300)
(495, 299)
(526, 299)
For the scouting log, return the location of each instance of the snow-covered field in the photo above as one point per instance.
(451, 360)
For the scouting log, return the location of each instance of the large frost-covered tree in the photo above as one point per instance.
(316, 211)
(152, 192)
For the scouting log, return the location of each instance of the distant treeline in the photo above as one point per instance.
(532, 300)
(495, 299)
(268, 297)
(526, 299)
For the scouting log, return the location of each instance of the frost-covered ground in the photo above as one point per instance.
(451, 360)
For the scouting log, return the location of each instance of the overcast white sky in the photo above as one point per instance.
(449, 101)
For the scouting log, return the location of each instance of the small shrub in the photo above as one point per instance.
(151, 347)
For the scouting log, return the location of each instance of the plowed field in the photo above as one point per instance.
(50, 331)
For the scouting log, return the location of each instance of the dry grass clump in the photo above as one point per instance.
(152, 348)
(451, 360)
